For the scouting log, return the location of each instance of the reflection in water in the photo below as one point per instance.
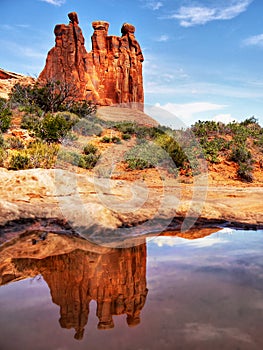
(205, 293)
(115, 280)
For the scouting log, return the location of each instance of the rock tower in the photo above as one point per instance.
(110, 74)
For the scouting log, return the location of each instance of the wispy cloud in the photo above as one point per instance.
(190, 16)
(55, 2)
(22, 50)
(256, 40)
(162, 38)
(187, 112)
(153, 5)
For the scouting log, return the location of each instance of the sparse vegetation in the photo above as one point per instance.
(52, 116)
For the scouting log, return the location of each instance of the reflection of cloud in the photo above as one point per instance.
(206, 331)
(196, 15)
(165, 241)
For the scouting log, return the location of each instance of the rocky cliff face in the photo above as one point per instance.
(110, 74)
(115, 280)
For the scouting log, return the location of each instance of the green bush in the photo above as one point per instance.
(126, 136)
(69, 157)
(171, 146)
(71, 118)
(42, 155)
(84, 109)
(5, 118)
(1, 139)
(90, 149)
(52, 96)
(30, 122)
(19, 161)
(126, 128)
(204, 128)
(15, 143)
(113, 139)
(240, 154)
(52, 128)
(245, 172)
(88, 161)
(2, 156)
(146, 155)
(87, 128)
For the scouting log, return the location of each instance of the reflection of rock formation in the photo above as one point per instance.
(110, 74)
(116, 280)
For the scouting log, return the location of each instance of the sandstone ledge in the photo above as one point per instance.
(91, 204)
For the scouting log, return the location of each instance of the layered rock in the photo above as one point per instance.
(9, 79)
(110, 74)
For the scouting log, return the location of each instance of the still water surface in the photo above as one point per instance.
(167, 293)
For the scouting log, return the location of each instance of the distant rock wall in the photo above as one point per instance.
(110, 74)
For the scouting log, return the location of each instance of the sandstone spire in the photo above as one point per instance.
(110, 74)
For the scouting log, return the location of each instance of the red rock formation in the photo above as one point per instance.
(115, 280)
(110, 74)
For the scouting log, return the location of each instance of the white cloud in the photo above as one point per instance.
(55, 2)
(185, 113)
(163, 38)
(256, 40)
(223, 118)
(196, 15)
(153, 5)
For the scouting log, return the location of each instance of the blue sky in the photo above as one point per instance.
(203, 58)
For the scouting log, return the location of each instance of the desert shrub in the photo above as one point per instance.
(240, 154)
(29, 122)
(204, 128)
(90, 149)
(245, 172)
(126, 128)
(19, 161)
(69, 157)
(52, 96)
(88, 161)
(146, 155)
(212, 148)
(15, 143)
(2, 156)
(87, 128)
(171, 146)
(84, 109)
(126, 136)
(42, 155)
(52, 128)
(71, 118)
(5, 115)
(1, 140)
(113, 139)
